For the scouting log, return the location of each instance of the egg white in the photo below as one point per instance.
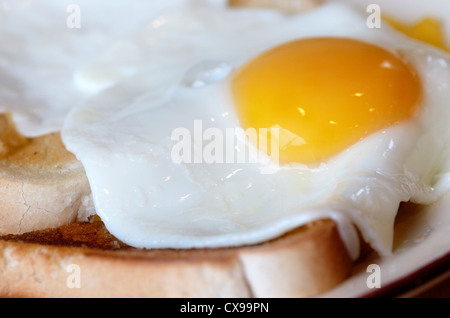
(40, 54)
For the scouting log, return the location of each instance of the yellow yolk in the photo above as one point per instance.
(324, 94)
(428, 30)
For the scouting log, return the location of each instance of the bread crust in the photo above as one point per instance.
(302, 263)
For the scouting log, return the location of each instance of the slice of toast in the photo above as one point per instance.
(84, 260)
(46, 252)
(43, 187)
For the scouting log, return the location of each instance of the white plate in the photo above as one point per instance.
(421, 255)
(420, 259)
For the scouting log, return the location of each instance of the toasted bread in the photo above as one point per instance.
(49, 247)
(44, 186)
(302, 263)
(41, 184)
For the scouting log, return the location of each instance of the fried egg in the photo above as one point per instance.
(173, 122)
(364, 111)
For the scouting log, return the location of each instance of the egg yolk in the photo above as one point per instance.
(428, 30)
(323, 95)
